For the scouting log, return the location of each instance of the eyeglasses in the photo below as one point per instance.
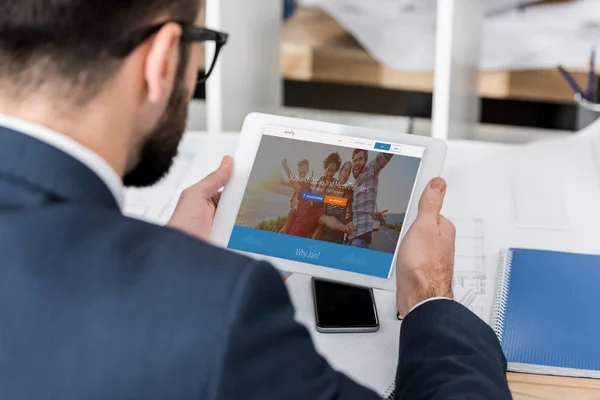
(190, 33)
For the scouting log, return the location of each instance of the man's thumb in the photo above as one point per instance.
(432, 199)
(218, 178)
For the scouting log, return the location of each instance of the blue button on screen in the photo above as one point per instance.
(313, 197)
(382, 146)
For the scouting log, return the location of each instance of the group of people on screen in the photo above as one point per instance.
(335, 208)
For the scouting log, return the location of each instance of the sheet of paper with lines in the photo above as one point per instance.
(475, 267)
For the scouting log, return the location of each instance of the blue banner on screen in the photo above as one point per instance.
(346, 258)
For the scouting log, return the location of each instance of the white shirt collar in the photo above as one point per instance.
(72, 148)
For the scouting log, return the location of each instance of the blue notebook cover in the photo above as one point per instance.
(547, 312)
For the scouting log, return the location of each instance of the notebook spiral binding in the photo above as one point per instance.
(501, 294)
(390, 393)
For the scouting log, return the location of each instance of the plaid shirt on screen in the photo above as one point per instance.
(364, 204)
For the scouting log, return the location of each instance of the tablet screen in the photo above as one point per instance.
(328, 200)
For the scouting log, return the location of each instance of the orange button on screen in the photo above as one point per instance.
(336, 201)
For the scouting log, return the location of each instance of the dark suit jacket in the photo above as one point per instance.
(95, 305)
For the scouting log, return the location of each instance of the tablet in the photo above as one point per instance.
(325, 200)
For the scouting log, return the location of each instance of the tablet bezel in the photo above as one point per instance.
(250, 138)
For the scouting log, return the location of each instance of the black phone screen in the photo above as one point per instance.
(343, 306)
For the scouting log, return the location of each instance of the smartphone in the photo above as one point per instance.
(341, 308)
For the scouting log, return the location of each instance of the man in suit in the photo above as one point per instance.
(94, 305)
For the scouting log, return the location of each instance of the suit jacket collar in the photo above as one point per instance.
(28, 161)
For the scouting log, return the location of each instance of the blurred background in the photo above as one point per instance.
(374, 63)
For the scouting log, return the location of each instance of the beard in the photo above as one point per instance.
(158, 152)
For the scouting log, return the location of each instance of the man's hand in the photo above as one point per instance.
(197, 205)
(425, 263)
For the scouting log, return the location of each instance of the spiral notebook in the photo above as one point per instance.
(546, 312)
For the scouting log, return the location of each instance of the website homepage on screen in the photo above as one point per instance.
(328, 200)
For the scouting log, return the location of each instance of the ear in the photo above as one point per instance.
(161, 63)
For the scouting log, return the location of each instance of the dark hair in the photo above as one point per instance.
(71, 39)
(303, 162)
(333, 158)
(356, 151)
(346, 163)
